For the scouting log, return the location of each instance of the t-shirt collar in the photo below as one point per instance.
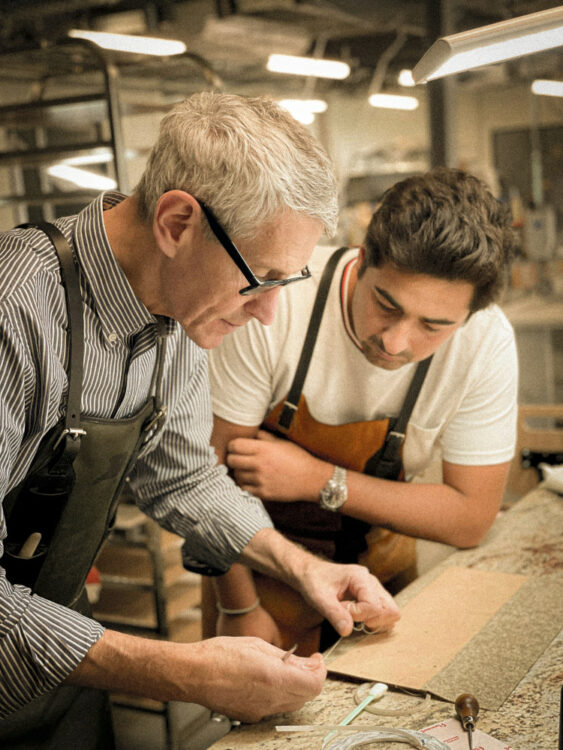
(344, 291)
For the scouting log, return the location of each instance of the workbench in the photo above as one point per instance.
(527, 539)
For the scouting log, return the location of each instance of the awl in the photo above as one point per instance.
(467, 710)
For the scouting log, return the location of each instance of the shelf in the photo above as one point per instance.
(132, 565)
(62, 102)
(136, 608)
(144, 586)
(60, 199)
(40, 112)
(48, 154)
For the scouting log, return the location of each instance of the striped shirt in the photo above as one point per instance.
(176, 480)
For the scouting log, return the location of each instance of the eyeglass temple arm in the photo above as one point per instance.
(229, 245)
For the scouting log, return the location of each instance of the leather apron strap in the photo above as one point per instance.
(291, 403)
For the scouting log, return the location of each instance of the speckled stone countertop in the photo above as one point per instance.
(527, 539)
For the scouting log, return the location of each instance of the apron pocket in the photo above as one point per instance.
(23, 570)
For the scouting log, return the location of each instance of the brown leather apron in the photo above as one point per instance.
(74, 516)
(372, 447)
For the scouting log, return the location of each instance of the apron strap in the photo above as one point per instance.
(292, 400)
(156, 420)
(72, 431)
(388, 464)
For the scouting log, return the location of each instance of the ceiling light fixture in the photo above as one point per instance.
(143, 45)
(96, 156)
(547, 88)
(489, 44)
(393, 101)
(308, 66)
(304, 110)
(405, 78)
(82, 177)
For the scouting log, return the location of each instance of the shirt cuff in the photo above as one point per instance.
(42, 644)
(216, 543)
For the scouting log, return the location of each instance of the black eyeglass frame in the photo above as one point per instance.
(255, 285)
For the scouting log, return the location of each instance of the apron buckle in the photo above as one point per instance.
(287, 414)
(73, 432)
(157, 419)
(398, 436)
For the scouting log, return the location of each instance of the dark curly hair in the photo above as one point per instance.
(444, 223)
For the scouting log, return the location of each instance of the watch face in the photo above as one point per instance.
(333, 495)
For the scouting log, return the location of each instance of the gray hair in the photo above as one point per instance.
(247, 158)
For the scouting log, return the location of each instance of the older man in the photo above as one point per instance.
(105, 376)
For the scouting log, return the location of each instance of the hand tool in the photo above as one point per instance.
(376, 691)
(467, 710)
(30, 545)
(287, 654)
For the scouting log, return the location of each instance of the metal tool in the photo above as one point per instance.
(467, 710)
(287, 654)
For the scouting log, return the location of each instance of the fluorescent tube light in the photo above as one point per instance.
(312, 105)
(306, 117)
(547, 88)
(405, 78)
(308, 105)
(304, 110)
(96, 156)
(393, 101)
(489, 44)
(308, 66)
(143, 45)
(82, 177)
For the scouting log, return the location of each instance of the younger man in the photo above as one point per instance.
(422, 285)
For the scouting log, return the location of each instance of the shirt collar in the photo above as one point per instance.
(344, 292)
(120, 311)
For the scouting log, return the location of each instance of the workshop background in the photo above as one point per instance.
(76, 119)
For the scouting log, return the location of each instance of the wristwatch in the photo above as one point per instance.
(335, 492)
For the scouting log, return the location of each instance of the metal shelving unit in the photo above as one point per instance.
(146, 591)
(59, 101)
(68, 99)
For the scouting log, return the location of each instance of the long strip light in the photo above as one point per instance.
(308, 66)
(547, 88)
(96, 156)
(304, 110)
(82, 177)
(393, 101)
(489, 44)
(143, 45)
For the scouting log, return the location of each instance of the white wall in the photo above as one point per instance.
(351, 127)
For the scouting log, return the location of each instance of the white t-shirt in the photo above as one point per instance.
(465, 412)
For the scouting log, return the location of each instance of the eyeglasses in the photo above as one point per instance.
(255, 285)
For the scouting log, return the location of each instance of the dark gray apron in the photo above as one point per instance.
(69, 717)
